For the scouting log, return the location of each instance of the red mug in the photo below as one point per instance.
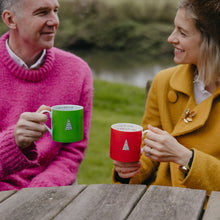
(125, 143)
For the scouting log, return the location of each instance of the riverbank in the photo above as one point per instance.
(140, 26)
(124, 67)
(113, 103)
(124, 25)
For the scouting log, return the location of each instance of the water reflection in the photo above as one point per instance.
(124, 67)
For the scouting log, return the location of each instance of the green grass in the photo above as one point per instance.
(113, 103)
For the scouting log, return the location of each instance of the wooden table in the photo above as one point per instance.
(108, 202)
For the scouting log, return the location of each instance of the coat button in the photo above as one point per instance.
(172, 96)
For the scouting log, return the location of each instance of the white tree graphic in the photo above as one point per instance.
(68, 126)
(126, 147)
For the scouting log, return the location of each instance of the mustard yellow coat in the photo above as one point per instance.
(170, 95)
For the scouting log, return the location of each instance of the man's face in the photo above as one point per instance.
(36, 24)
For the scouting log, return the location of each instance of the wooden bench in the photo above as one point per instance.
(107, 202)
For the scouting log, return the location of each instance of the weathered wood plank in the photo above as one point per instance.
(38, 203)
(169, 203)
(6, 194)
(103, 202)
(213, 207)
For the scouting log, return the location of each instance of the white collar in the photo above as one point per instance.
(21, 63)
(200, 92)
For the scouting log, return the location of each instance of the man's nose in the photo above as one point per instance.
(53, 19)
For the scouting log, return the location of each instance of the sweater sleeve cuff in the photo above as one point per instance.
(30, 152)
(12, 159)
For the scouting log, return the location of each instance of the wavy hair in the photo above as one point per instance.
(209, 55)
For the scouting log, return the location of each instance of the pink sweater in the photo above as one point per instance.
(63, 79)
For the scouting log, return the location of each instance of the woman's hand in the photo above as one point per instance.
(29, 128)
(161, 146)
(127, 170)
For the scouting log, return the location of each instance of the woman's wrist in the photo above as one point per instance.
(185, 158)
(185, 169)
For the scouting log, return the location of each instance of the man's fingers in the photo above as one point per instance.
(43, 107)
(33, 117)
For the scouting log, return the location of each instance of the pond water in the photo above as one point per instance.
(123, 67)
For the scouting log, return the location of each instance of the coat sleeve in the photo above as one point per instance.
(152, 111)
(204, 173)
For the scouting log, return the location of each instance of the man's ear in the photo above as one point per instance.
(9, 19)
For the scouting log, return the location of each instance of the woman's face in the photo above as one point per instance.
(186, 39)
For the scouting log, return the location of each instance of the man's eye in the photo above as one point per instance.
(42, 13)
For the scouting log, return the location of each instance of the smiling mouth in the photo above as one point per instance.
(179, 51)
(48, 33)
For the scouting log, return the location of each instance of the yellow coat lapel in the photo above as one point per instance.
(182, 81)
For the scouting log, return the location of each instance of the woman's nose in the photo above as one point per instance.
(172, 38)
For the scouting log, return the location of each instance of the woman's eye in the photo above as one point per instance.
(182, 33)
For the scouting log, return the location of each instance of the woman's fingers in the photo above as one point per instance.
(127, 175)
(127, 170)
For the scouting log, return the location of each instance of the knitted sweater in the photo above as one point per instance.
(63, 79)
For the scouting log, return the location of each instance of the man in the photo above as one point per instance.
(34, 76)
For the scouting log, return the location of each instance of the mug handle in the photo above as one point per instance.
(143, 132)
(49, 129)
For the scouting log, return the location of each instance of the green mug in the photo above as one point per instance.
(66, 123)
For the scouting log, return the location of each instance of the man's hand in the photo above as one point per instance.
(29, 128)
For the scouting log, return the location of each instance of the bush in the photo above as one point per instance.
(140, 26)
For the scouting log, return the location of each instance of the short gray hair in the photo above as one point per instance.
(8, 4)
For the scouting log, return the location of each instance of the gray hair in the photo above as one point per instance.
(9, 4)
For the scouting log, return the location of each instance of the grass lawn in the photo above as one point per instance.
(113, 103)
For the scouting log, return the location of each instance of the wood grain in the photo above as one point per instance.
(169, 203)
(213, 207)
(104, 202)
(38, 203)
(6, 194)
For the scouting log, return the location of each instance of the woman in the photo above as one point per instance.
(182, 147)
